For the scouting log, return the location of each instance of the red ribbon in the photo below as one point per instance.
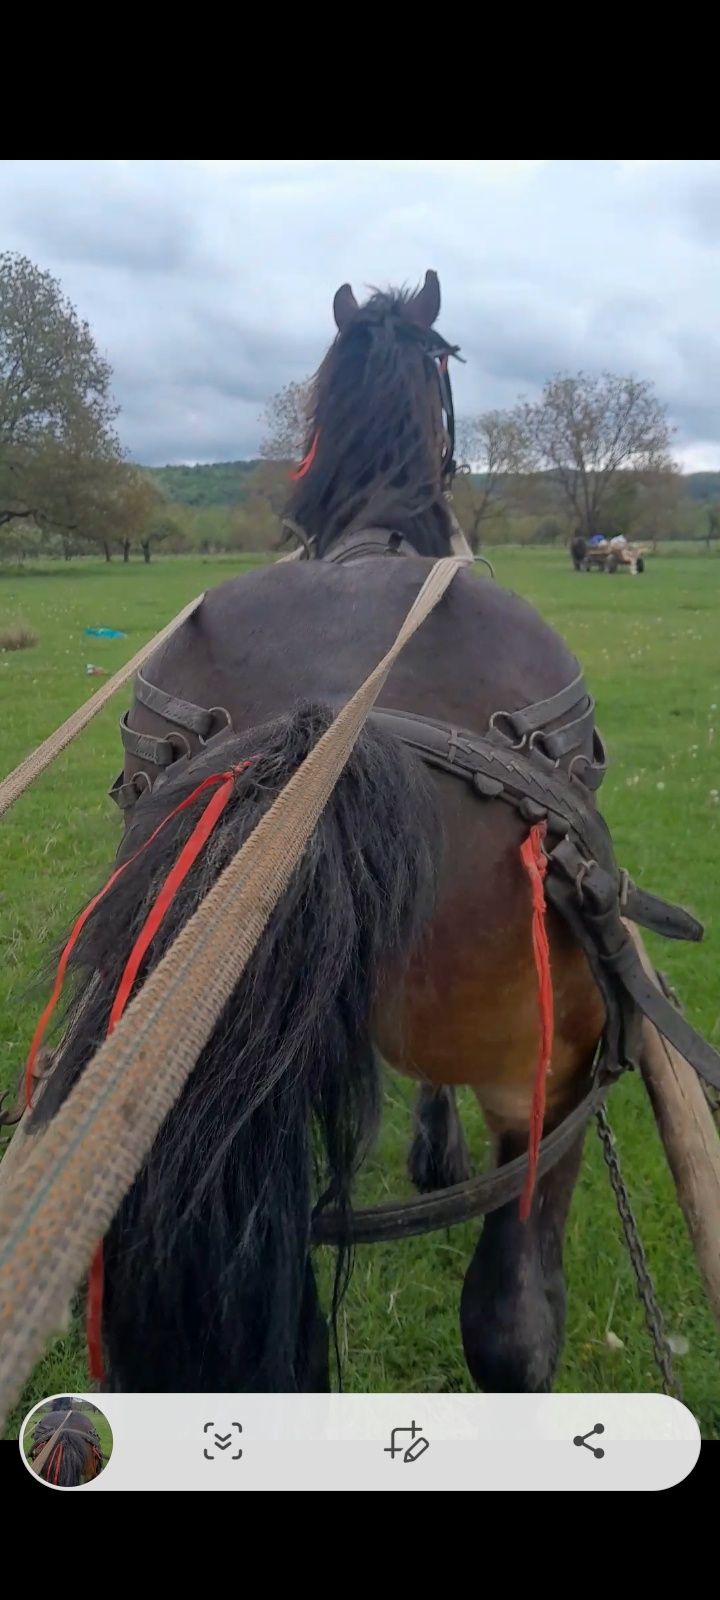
(186, 859)
(307, 460)
(534, 861)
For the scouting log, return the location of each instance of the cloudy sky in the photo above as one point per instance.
(209, 284)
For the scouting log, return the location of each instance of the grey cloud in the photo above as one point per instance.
(210, 284)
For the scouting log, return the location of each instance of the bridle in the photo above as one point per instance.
(438, 352)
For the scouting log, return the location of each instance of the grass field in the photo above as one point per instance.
(651, 649)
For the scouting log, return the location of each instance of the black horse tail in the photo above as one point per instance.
(208, 1284)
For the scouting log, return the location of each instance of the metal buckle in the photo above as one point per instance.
(216, 712)
(178, 740)
(533, 744)
(493, 724)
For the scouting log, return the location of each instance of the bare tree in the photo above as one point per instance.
(494, 448)
(285, 420)
(585, 430)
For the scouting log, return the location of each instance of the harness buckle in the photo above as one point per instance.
(216, 712)
(493, 724)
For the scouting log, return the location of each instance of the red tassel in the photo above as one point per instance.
(535, 863)
(176, 876)
(307, 460)
(188, 855)
(39, 1034)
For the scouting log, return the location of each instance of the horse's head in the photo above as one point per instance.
(381, 431)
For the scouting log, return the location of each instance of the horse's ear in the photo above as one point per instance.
(344, 307)
(424, 307)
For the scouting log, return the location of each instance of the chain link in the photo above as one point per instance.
(712, 1095)
(645, 1285)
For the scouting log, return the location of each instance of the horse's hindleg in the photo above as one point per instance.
(512, 1308)
(438, 1155)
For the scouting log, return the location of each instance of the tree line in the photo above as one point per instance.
(591, 454)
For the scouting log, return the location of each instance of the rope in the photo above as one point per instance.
(534, 861)
(64, 1195)
(20, 779)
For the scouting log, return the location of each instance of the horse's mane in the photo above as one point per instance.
(77, 1454)
(375, 432)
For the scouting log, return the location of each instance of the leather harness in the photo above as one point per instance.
(532, 759)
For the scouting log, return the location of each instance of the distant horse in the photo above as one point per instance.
(578, 551)
(406, 929)
(76, 1455)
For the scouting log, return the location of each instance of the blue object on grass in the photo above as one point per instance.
(106, 633)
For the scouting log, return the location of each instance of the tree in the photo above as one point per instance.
(494, 448)
(161, 523)
(285, 420)
(586, 430)
(99, 501)
(713, 524)
(55, 401)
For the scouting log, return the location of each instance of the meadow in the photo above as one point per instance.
(650, 647)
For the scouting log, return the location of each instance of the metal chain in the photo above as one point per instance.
(712, 1095)
(645, 1285)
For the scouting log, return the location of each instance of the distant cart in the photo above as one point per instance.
(608, 555)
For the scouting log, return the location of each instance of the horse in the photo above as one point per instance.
(405, 934)
(578, 551)
(76, 1455)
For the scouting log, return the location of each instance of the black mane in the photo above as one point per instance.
(376, 425)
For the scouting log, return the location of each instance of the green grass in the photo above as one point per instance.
(651, 648)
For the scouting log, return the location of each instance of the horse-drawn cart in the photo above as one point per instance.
(608, 555)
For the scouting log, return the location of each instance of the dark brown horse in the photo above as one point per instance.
(75, 1455)
(406, 928)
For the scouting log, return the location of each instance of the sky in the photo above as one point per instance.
(209, 284)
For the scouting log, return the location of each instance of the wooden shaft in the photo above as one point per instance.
(690, 1140)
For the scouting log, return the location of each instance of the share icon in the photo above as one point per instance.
(582, 1438)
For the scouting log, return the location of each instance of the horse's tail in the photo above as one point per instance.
(207, 1277)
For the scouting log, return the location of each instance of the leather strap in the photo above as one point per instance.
(159, 752)
(598, 913)
(528, 719)
(406, 1219)
(169, 706)
(562, 740)
(126, 795)
(369, 542)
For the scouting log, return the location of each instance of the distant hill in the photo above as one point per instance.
(703, 485)
(224, 483)
(219, 483)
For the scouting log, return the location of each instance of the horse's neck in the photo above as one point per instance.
(458, 545)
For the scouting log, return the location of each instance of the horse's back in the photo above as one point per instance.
(261, 643)
(314, 631)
